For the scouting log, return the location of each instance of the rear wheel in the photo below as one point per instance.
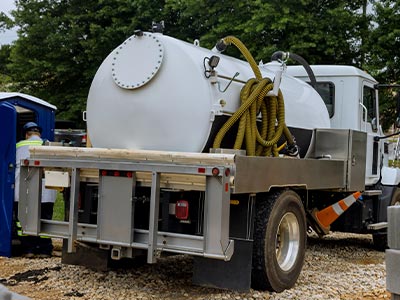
(279, 241)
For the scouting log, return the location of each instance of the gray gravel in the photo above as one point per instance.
(341, 266)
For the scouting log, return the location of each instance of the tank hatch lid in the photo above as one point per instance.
(137, 60)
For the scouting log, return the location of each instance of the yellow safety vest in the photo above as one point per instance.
(29, 143)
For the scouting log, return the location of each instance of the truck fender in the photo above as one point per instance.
(390, 176)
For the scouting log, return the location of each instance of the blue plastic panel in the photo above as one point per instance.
(45, 115)
(7, 164)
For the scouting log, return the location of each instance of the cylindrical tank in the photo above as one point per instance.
(153, 93)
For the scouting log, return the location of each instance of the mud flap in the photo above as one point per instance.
(233, 275)
(91, 257)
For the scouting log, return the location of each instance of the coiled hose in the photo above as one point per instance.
(254, 100)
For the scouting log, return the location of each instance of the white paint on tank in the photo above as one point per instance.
(175, 108)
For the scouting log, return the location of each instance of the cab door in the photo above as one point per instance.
(8, 119)
(370, 124)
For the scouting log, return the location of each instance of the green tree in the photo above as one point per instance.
(385, 41)
(384, 59)
(62, 43)
(5, 78)
(325, 32)
(5, 22)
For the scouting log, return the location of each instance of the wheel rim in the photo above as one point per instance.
(287, 241)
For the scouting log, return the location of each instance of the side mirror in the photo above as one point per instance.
(397, 123)
(374, 124)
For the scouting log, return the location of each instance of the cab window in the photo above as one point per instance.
(369, 101)
(327, 92)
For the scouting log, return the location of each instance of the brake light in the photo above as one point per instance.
(182, 209)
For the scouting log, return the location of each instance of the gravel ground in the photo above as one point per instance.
(340, 266)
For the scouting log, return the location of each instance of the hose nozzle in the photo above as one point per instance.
(220, 46)
(280, 56)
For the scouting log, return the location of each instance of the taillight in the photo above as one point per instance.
(116, 173)
(182, 209)
(215, 171)
(79, 201)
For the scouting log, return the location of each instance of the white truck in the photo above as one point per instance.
(198, 153)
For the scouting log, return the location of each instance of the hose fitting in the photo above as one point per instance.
(283, 56)
(220, 46)
(280, 56)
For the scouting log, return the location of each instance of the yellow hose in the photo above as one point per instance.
(253, 102)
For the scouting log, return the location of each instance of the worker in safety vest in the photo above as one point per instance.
(33, 246)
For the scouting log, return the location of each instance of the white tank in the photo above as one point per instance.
(151, 93)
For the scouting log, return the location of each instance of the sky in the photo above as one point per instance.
(10, 35)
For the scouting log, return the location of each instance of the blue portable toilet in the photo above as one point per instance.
(16, 109)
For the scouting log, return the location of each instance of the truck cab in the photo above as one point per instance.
(352, 102)
(351, 98)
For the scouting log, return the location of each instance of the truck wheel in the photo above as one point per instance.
(379, 239)
(279, 241)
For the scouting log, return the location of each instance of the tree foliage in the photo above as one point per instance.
(384, 56)
(61, 43)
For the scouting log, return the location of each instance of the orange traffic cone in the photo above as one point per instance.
(329, 214)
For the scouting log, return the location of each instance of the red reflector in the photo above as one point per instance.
(182, 209)
(26, 162)
(215, 171)
(36, 162)
(104, 173)
(201, 170)
(116, 173)
(226, 187)
(227, 172)
(129, 174)
(79, 201)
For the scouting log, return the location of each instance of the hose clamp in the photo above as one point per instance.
(285, 57)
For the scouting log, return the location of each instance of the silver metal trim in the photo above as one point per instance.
(377, 226)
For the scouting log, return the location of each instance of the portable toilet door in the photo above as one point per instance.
(17, 109)
(7, 176)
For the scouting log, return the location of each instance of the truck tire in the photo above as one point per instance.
(379, 239)
(279, 241)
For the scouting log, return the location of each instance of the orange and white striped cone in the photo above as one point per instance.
(329, 214)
